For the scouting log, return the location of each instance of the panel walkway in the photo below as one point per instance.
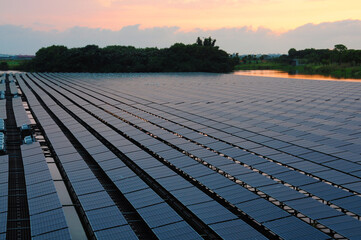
(18, 223)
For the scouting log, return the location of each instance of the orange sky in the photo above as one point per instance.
(278, 15)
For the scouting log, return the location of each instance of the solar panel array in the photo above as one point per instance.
(190, 156)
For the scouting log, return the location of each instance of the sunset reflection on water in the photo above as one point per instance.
(281, 74)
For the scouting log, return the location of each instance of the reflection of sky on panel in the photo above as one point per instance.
(281, 74)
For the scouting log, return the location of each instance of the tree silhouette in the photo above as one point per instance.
(202, 56)
(207, 42)
(4, 66)
(199, 41)
(340, 48)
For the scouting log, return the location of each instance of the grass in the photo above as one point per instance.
(14, 64)
(334, 70)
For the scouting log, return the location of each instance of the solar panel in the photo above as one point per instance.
(106, 217)
(211, 212)
(143, 198)
(147, 162)
(130, 184)
(58, 234)
(3, 224)
(121, 232)
(234, 229)
(21, 116)
(312, 208)
(41, 189)
(347, 226)
(178, 230)
(47, 222)
(174, 182)
(43, 203)
(87, 186)
(3, 109)
(158, 215)
(80, 175)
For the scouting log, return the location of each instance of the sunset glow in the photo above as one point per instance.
(244, 26)
(278, 15)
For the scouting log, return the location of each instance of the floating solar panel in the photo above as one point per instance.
(106, 217)
(13, 89)
(2, 86)
(121, 232)
(234, 229)
(3, 195)
(47, 222)
(3, 224)
(21, 116)
(3, 109)
(178, 230)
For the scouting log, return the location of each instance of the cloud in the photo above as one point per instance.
(244, 40)
(325, 35)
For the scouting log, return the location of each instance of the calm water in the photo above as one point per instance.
(281, 74)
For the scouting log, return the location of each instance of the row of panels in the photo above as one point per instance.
(4, 169)
(46, 216)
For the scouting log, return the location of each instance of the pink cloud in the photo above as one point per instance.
(244, 40)
(187, 14)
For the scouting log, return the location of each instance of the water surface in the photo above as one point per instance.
(282, 74)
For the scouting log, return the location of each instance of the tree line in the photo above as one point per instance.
(339, 55)
(202, 56)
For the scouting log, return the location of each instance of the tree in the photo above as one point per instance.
(4, 66)
(292, 53)
(340, 48)
(264, 57)
(340, 53)
(207, 42)
(199, 41)
(199, 57)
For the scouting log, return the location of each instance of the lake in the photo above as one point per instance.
(282, 74)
